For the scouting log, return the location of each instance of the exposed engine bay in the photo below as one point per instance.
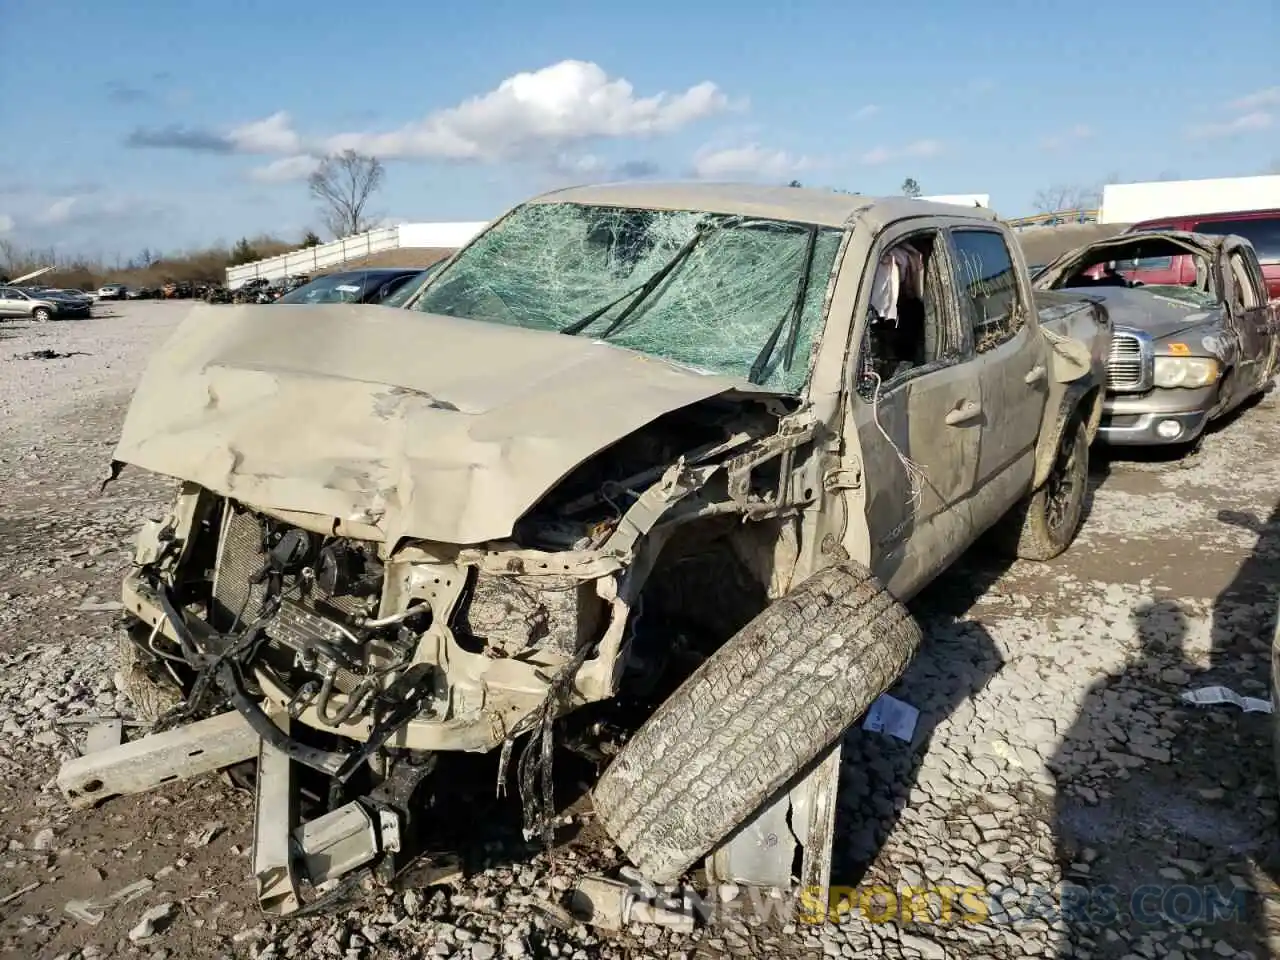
(429, 647)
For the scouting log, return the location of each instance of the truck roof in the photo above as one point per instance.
(796, 204)
(1260, 214)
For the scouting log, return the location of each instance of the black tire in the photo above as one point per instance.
(752, 717)
(41, 315)
(1043, 525)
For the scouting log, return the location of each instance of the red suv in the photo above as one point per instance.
(1259, 227)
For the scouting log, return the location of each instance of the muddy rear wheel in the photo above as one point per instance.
(1043, 525)
(753, 717)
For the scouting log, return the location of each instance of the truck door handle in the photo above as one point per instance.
(969, 410)
(1036, 374)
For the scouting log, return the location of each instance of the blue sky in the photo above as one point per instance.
(141, 123)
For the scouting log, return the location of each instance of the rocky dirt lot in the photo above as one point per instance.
(1054, 769)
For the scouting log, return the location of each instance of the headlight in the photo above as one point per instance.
(1185, 371)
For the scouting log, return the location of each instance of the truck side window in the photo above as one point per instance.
(907, 320)
(1245, 296)
(988, 287)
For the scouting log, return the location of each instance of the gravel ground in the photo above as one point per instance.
(1053, 766)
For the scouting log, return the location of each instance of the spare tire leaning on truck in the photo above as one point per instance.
(753, 717)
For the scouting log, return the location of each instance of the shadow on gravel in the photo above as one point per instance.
(955, 661)
(1246, 609)
(1165, 813)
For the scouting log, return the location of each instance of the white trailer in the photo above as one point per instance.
(1134, 202)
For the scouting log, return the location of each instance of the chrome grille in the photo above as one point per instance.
(1129, 366)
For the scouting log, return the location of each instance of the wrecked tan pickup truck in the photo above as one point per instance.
(697, 439)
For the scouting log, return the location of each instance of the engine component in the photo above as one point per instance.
(308, 633)
(291, 551)
(344, 570)
(337, 842)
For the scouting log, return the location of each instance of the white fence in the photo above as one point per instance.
(314, 259)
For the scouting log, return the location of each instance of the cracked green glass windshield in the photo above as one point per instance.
(713, 292)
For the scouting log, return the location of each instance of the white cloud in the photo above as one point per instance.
(1253, 114)
(60, 211)
(566, 103)
(286, 169)
(1065, 138)
(50, 219)
(918, 149)
(1245, 123)
(1269, 97)
(866, 112)
(749, 161)
(586, 165)
(539, 116)
(274, 134)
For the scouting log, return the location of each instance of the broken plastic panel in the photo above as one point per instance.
(1206, 696)
(548, 266)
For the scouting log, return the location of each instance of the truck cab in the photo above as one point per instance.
(1260, 227)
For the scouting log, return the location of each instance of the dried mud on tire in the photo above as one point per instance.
(752, 717)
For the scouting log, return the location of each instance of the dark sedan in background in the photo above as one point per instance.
(372, 285)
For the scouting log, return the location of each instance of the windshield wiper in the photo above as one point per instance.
(793, 313)
(641, 293)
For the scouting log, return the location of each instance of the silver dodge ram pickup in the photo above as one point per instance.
(1183, 355)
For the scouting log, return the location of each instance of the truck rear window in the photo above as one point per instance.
(1262, 232)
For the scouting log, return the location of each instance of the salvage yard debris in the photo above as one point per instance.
(94, 910)
(50, 355)
(1206, 696)
(152, 922)
(895, 717)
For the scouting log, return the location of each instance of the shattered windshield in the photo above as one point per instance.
(717, 293)
(1183, 294)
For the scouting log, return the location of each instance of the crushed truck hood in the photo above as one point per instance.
(425, 426)
(1157, 315)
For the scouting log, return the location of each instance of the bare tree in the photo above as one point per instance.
(910, 188)
(10, 257)
(1067, 197)
(343, 184)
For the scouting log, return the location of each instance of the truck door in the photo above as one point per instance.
(916, 410)
(1254, 315)
(1010, 361)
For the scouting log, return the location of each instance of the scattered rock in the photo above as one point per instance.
(152, 922)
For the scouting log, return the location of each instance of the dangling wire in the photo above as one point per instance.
(916, 476)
